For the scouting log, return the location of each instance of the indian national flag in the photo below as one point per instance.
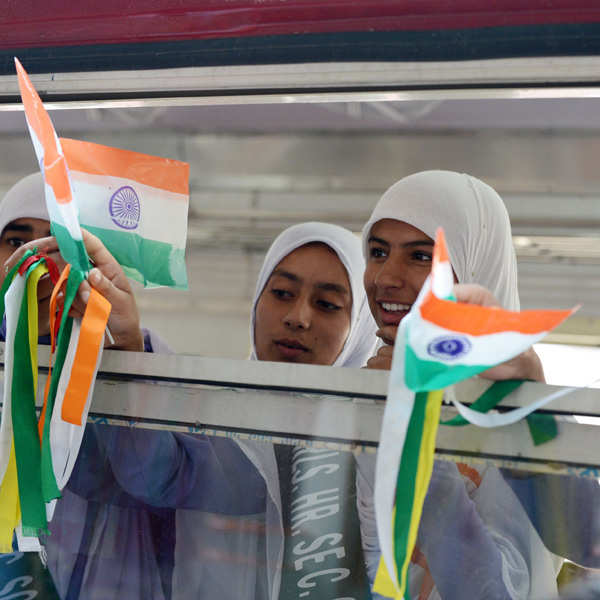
(137, 205)
(59, 195)
(439, 343)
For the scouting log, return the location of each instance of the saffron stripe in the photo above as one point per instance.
(55, 168)
(164, 173)
(484, 320)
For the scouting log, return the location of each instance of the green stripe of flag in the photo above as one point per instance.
(433, 375)
(150, 262)
(73, 251)
(405, 484)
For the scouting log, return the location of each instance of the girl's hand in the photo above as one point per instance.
(383, 358)
(526, 365)
(107, 277)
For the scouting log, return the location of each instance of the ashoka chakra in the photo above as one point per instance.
(124, 208)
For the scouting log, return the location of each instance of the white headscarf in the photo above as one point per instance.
(25, 199)
(475, 222)
(360, 343)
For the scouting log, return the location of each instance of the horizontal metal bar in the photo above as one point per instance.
(222, 372)
(289, 417)
(310, 379)
(550, 77)
(302, 404)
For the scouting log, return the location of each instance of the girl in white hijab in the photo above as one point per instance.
(25, 199)
(360, 342)
(358, 346)
(475, 540)
(236, 537)
(479, 242)
(475, 223)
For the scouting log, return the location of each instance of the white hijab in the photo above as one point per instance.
(475, 222)
(361, 341)
(25, 199)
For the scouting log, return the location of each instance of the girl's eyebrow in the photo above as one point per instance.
(18, 227)
(377, 240)
(418, 243)
(291, 276)
(332, 287)
(426, 242)
(324, 285)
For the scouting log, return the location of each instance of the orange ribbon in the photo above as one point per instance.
(91, 338)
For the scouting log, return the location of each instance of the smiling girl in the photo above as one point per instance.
(475, 539)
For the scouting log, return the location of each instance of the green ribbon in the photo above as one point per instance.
(488, 400)
(542, 427)
(26, 440)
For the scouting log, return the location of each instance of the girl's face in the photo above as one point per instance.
(398, 263)
(303, 314)
(19, 232)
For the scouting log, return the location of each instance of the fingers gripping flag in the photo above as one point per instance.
(439, 343)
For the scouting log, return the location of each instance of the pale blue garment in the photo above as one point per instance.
(478, 544)
(113, 534)
(114, 531)
(565, 511)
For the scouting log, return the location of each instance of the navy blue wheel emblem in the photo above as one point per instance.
(449, 347)
(124, 208)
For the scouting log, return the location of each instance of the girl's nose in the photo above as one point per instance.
(298, 317)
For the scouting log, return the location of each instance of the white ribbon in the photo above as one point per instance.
(508, 418)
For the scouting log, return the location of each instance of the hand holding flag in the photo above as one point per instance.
(107, 277)
(28, 456)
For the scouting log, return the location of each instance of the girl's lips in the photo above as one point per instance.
(391, 313)
(290, 349)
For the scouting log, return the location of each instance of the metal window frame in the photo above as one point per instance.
(543, 77)
(322, 406)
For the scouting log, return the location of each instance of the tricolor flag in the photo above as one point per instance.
(137, 205)
(439, 343)
(59, 195)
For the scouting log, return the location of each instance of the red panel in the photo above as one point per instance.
(59, 23)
